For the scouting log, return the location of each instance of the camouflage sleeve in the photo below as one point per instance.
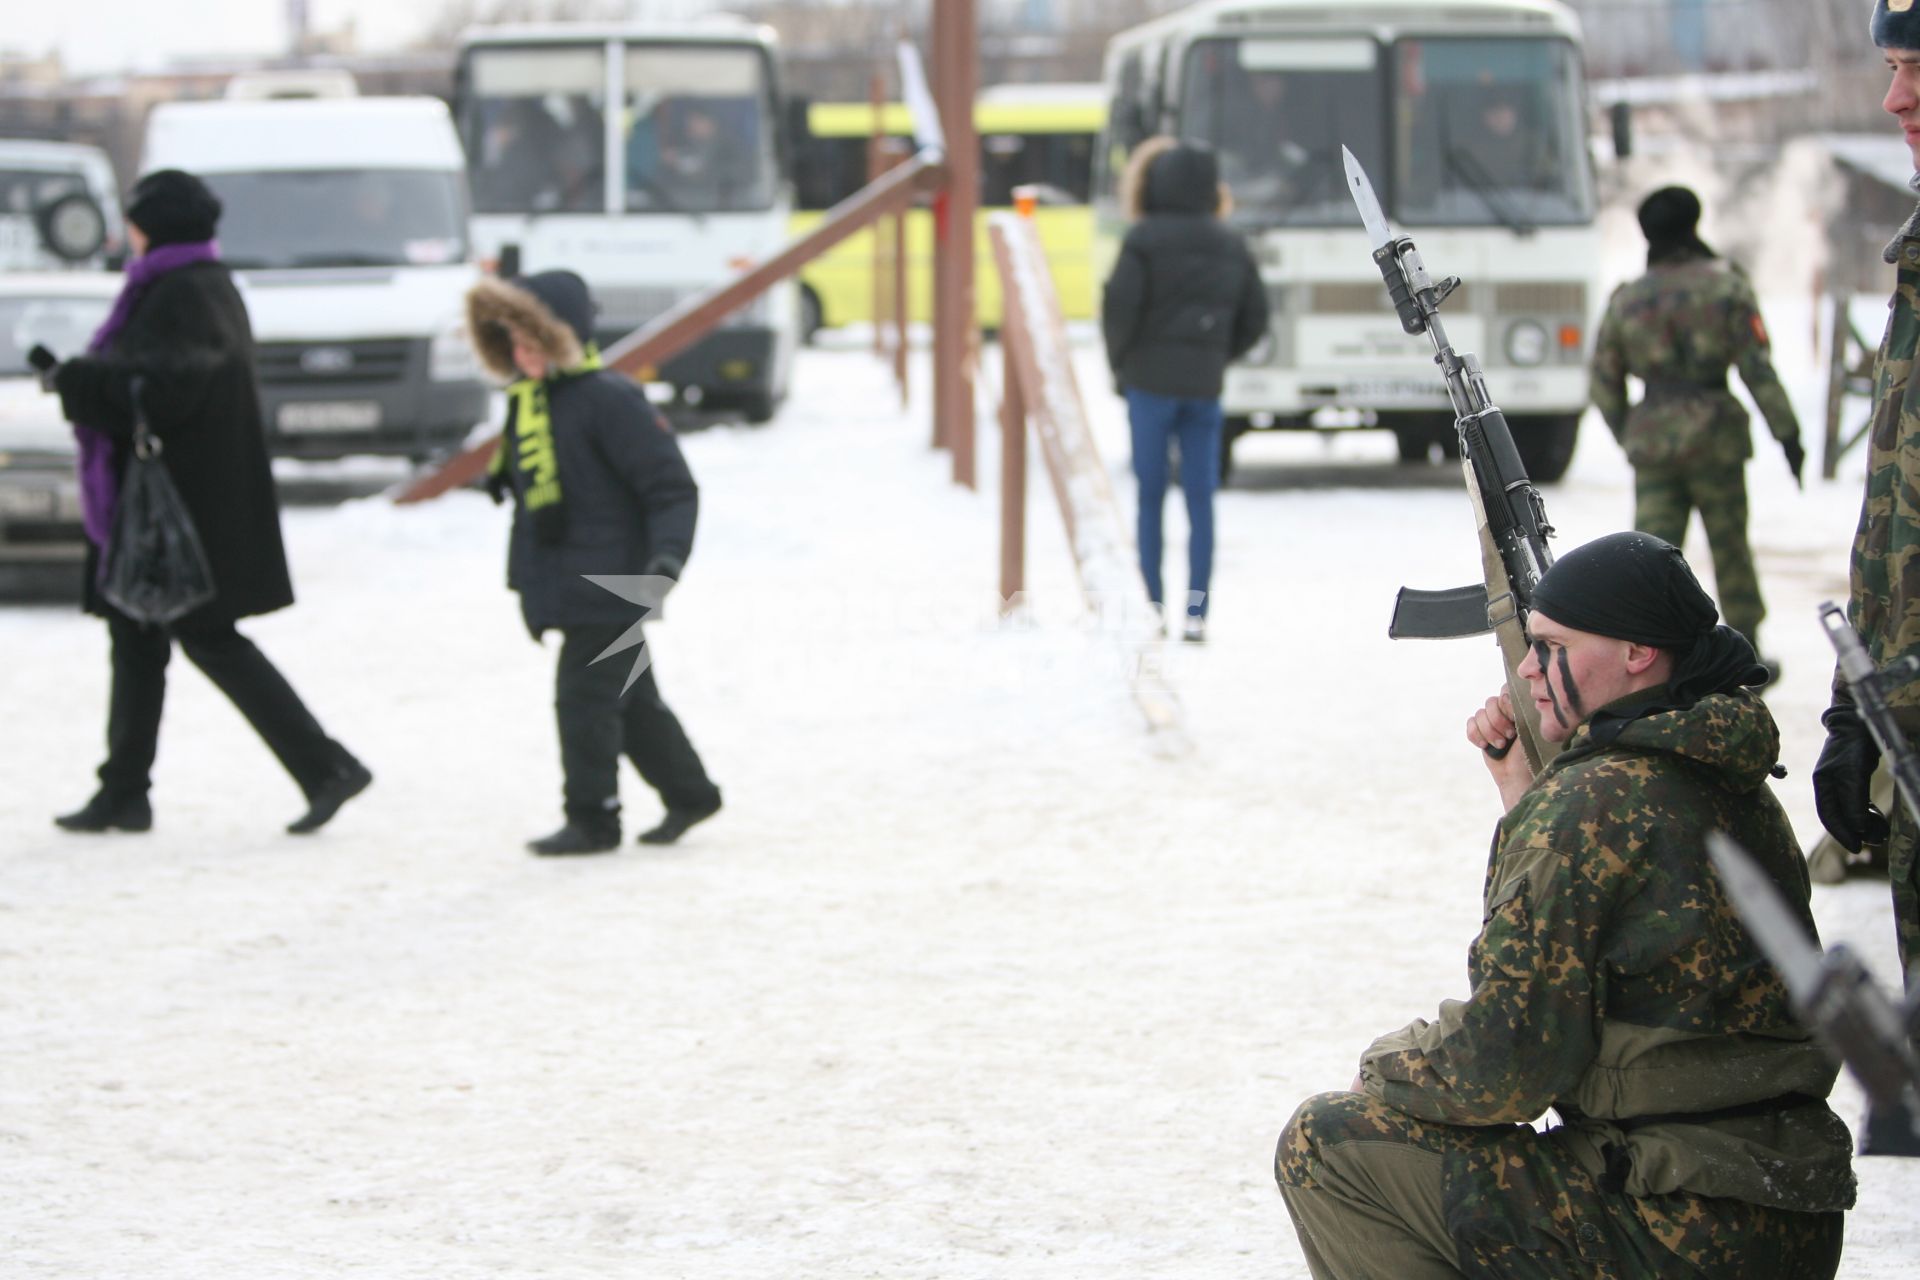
(1754, 358)
(1607, 375)
(1526, 1033)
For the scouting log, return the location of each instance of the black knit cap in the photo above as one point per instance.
(172, 206)
(1896, 24)
(1634, 586)
(1669, 218)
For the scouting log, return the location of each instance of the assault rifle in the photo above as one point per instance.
(1511, 515)
(1833, 993)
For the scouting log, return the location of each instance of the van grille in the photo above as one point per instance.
(1370, 297)
(320, 363)
(1541, 298)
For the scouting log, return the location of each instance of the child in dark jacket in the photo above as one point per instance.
(604, 511)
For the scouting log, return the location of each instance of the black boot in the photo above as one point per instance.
(579, 836)
(109, 813)
(325, 800)
(675, 824)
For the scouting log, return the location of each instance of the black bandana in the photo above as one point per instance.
(1633, 586)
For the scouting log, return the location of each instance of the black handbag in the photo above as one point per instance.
(156, 570)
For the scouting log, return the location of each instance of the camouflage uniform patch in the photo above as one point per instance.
(1678, 329)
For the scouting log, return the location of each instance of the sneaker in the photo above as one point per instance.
(576, 838)
(325, 800)
(1195, 630)
(675, 824)
(108, 813)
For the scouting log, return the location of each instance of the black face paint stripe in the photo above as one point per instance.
(1573, 690)
(1543, 659)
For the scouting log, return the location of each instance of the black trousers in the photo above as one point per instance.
(237, 668)
(597, 723)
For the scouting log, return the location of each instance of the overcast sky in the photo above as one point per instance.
(116, 35)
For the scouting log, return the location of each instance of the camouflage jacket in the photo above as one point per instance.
(1678, 328)
(1885, 570)
(1613, 982)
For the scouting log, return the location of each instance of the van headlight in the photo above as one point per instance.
(451, 358)
(1526, 343)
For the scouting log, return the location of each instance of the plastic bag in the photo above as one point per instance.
(156, 568)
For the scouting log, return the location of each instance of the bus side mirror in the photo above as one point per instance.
(1620, 116)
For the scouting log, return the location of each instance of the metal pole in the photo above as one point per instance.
(876, 165)
(956, 70)
(1013, 446)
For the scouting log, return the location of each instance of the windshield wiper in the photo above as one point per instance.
(344, 260)
(1468, 166)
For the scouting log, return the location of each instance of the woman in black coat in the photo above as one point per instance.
(180, 331)
(1184, 300)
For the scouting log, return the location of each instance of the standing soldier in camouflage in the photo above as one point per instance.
(1884, 606)
(1611, 981)
(1677, 328)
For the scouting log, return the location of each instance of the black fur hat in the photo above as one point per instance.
(1669, 218)
(1896, 24)
(173, 207)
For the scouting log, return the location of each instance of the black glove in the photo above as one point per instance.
(1796, 458)
(665, 570)
(45, 364)
(1843, 780)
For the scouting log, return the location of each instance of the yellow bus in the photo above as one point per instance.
(1039, 135)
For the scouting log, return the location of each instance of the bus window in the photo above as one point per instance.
(695, 141)
(1060, 164)
(1491, 134)
(535, 130)
(1279, 111)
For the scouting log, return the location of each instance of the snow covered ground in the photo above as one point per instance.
(968, 979)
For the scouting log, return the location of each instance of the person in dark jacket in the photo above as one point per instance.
(1184, 300)
(180, 329)
(600, 491)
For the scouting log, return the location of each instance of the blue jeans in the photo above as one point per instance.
(1156, 421)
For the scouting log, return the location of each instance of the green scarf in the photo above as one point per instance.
(526, 453)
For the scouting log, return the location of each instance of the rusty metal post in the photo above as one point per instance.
(902, 300)
(876, 165)
(1013, 449)
(955, 327)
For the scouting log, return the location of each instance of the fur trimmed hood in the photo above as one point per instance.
(1166, 175)
(553, 308)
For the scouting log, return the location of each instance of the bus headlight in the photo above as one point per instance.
(451, 358)
(1526, 343)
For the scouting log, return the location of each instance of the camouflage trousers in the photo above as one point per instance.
(1378, 1195)
(1663, 501)
(1903, 869)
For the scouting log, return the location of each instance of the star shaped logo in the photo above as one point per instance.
(647, 590)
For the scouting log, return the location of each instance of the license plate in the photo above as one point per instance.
(27, 504)
(1392, 391)
(329, 415)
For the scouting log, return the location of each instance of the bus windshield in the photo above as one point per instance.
(1489, 132)
(693, 132)
(1278, 111)
(341, 218)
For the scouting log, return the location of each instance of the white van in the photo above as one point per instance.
(345, 222)
(58, 207)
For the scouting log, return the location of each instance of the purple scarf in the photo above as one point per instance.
(99, 462)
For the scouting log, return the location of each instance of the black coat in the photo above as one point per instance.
(1185, 297)
(629, 498)
(189, 339)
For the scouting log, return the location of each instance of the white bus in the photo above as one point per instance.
(1471, 118)
(650, 159)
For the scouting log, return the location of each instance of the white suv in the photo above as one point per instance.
(58, 207)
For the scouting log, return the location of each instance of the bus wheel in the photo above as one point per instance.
(757, 407)
(1545, 443)
(811, 318)
(1415, 441)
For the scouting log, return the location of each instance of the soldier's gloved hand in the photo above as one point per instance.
(1843, 780)
(1796, 459)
